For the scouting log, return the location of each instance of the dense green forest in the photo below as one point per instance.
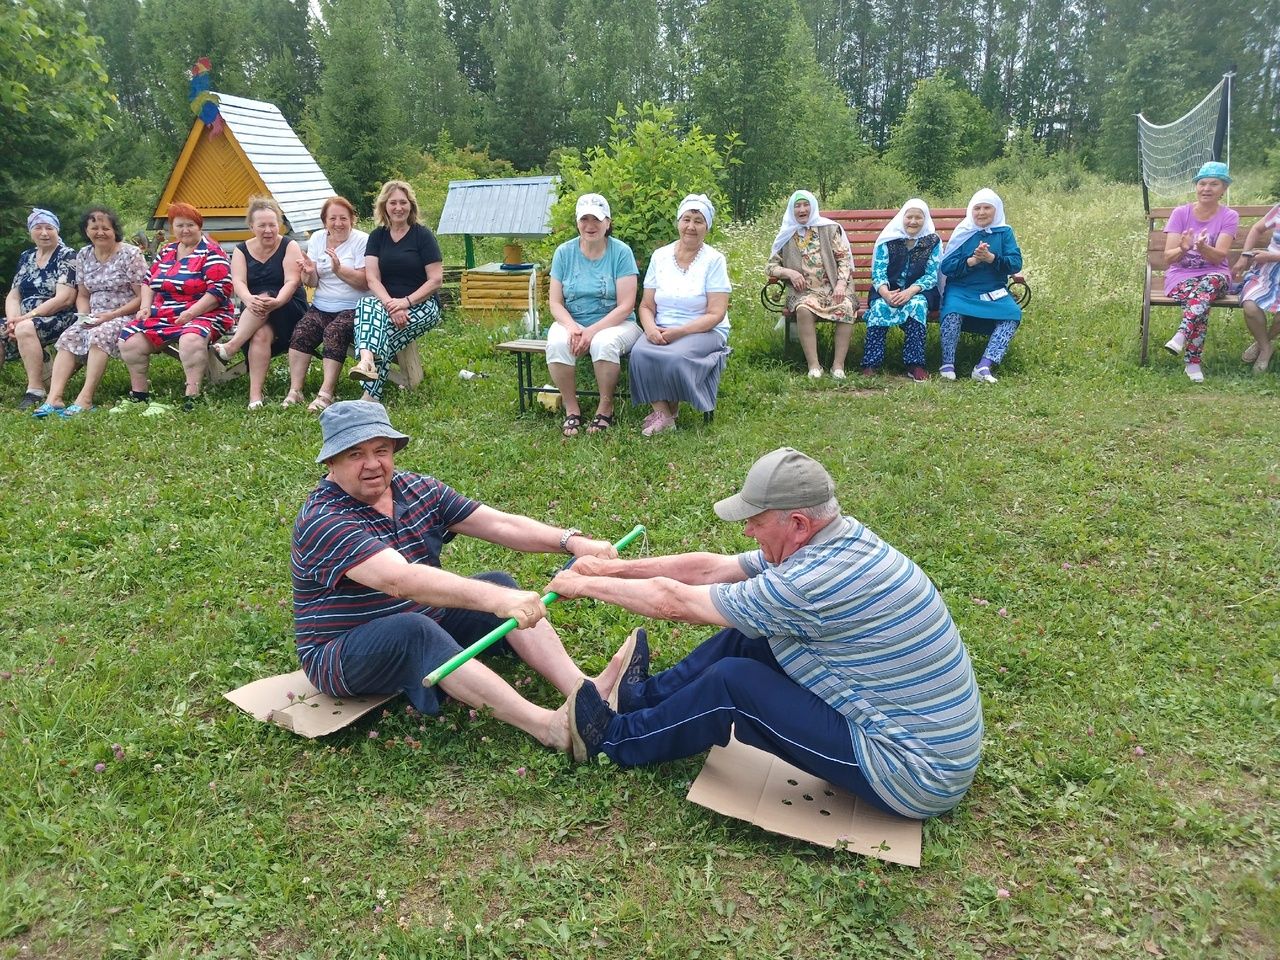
(834, 94)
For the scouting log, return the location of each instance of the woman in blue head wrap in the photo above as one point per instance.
(41, 301)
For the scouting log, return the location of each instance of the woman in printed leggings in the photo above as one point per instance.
(1196, 253)
(977, 263)
(403, 269)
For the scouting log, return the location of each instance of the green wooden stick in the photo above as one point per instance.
(500, 631)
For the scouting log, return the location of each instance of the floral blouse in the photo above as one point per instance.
(36, 284)
(111, 284)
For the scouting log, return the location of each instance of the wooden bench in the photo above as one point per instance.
(862, 227)
(527, 389)
(1153, 290)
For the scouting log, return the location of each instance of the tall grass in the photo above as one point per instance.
(1105, 535)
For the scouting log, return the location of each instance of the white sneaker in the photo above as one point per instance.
(947, 373)
(815, 373)
(837, 373)
(1177, 344)
(1194, 373)
(983, 375)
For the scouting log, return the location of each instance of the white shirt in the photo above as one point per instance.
(681, 295)
(333, 294)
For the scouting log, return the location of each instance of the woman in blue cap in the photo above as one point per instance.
(1195, 260)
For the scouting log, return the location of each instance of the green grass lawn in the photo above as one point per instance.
(1105, 535)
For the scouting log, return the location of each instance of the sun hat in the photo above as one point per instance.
(782, 480)
(349, 422)
(1213, 168)
(592, 205)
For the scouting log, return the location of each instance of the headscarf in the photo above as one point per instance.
(791, 226)
(896, 230)
(39, 215)
(967, 228)
(700, 202)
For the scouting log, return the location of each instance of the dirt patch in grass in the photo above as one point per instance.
(281, 943)
(34, 942)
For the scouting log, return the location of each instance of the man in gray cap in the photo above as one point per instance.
(839, 655)
(375, 613)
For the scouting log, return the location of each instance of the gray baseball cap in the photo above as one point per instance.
(782, 480)
(350, 422)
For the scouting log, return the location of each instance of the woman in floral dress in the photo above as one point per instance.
(109, 274)
(811, 255)
(187, 300)
(41, 301)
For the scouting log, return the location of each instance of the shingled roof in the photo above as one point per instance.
(513, 207)
(258, 153)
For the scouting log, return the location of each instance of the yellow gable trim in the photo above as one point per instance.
(213, 174)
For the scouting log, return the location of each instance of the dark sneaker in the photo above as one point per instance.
(192, 402)
(918, 374)
(869, 372)
(30, 400)
(589, 719)
(634, 672)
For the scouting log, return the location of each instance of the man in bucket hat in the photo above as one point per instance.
(838, 655)
(373, 610)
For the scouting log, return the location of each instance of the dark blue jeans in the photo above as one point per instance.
(734, 681)
(392, 654)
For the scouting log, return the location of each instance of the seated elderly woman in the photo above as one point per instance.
(110, 274)
(403, 269)
(1260, 293)
(1196, 261)
(904, 287)
(978, 260)
(41, 301)
(334, 265)
(267, 277)
(684, 315)
(593, 297)
(186, 300)
(811, 255)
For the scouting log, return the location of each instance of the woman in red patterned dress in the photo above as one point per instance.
(187, 300)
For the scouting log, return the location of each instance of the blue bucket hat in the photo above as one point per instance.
(350, 422)
(1213, 168)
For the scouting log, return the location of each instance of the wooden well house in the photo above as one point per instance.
(256, 154)
(515, 208)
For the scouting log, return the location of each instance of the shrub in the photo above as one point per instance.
(644, 170)
(873, 184)
(926, 141)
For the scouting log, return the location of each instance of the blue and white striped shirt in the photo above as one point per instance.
(861, 626)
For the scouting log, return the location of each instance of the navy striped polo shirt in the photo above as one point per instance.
(335, 532)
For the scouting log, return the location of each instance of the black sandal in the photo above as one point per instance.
(600, 423)
(571, 425)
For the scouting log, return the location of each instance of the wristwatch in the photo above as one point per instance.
(564, 538)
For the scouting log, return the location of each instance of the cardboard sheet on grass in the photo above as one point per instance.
(310, 712)
(742, 782)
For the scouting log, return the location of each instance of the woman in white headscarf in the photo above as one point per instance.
(684, 315)
(811, 255)
(979, 259)
(904, 287)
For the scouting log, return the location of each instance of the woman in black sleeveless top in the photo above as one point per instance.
(268, 282)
